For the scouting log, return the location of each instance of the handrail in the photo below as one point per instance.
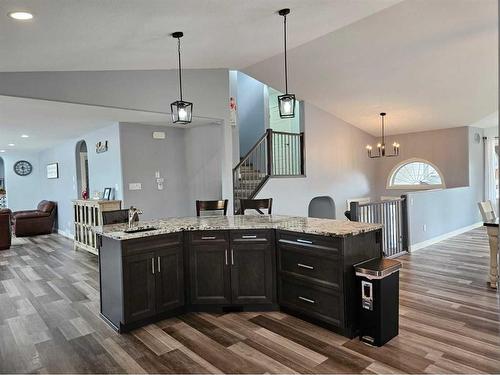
(247, 155)
(276, 153)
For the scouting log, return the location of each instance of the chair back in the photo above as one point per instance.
(487, 211)
(115, 217)
(322, 207)
(257, 205)
(211, 206)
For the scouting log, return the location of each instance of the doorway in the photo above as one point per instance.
(3, 189)
(82, 168)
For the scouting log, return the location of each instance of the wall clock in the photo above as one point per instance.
(23, 168)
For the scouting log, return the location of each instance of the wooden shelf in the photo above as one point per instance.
(88, 214)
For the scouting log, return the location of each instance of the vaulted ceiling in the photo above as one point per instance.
(428, 63)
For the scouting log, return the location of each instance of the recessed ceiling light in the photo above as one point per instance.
(2, 150)
(25, 136)
(21, 16)
(11, 144)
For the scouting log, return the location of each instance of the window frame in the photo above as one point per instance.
(398, 166)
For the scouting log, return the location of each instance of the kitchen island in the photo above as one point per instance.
(303, 266)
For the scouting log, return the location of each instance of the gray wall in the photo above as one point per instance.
(104, 171)
(445, 148)
(2, 172)
(151, 90)
(23, 193)
(251, 111)
(336, 165)
(189, 160)
(441, 211)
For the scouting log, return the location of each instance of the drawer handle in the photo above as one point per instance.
(248, 237)
(305, 266)
(304, 241)
(153, 265)
(307, 300)
(208, 238)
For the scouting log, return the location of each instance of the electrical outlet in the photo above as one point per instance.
(424, 227)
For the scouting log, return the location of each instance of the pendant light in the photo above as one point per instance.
(381, 146)
(182, 111)
(286, 102)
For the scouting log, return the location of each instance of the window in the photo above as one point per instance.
(415, 174)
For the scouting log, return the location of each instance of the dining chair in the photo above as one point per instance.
(257, 205)
(114, 217)
(211, 206)
(322, 207)
(487, 211)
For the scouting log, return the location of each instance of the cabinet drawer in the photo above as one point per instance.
(311, 266)
(208, 236)
(321, 303)
(139, 245)
(254, 236)
(309, 241)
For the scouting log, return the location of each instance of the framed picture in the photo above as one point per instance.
(107, 194)
(53, 170)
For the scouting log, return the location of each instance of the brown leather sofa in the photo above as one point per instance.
(35, 222)
(5, 231)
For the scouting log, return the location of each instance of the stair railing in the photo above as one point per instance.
(276, 154)
(393, 214)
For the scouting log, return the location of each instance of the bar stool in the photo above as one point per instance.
(257, 205)
(211, 206)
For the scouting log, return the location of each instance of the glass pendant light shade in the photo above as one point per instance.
(286, 102)
(182, 111)
(287, 105)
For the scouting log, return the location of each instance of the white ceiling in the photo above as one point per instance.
(134, 34)
(48, 123)
(429, 64)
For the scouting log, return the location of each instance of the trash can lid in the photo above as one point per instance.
(377, 267)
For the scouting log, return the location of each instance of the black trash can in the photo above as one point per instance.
(379, 300)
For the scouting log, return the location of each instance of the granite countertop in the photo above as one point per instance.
(323, 227)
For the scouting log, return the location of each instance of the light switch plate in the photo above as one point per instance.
(135, 186)
(159, 135)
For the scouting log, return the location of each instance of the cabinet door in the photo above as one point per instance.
(169, 278)
(252, 276)
(210, 274)
(139, 287)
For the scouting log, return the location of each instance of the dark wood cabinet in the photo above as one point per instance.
(139, 286)
(252, 267)
(311, 276)
(210, 274)
(169, 279)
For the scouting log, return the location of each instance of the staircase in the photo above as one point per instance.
(275, 154)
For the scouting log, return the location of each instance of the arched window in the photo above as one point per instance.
(415, 174)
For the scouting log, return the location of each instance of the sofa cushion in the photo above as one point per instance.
(46, 206)
(30, 214)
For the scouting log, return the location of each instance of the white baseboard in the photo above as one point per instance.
(445, 236)
(65, 234)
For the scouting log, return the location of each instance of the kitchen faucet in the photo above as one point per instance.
(133, 215)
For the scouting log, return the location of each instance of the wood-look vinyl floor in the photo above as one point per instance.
(49, 323)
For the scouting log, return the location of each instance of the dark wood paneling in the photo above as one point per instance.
(210, 274)
(169, 279)
(139, 287)
(252, 273)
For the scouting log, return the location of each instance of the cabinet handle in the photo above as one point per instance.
(305, 266)
(208, 238)
(304, 241)
(248, 237)
(153, 265)
(225, 254)
(159, 265)
(232, 257)
(307, 300)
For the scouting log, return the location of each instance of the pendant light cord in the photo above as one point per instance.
(286, 63)
(180, 69)
(383, 132)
